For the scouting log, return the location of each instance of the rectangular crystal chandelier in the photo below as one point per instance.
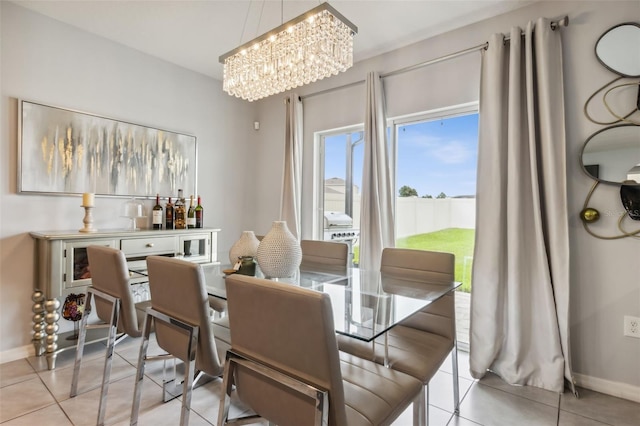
(310, 47)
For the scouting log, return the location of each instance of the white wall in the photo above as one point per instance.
(53, 63)
(605, 282)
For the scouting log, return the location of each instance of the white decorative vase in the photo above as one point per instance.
(279, 252)
(247, 245)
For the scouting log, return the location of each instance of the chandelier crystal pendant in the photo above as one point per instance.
(310, 47)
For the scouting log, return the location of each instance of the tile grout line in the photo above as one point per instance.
(475, 383)
(55, 401)
(465, 398)
(523, 397)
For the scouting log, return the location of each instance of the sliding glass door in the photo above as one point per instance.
(435, 158)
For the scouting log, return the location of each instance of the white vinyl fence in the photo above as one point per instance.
(422, 215)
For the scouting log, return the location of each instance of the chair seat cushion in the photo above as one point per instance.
(382, 393)
(221, 329)
(415, 352)
(217, 304)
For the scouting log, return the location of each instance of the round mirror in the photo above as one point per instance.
(612, 155)
(617, 49)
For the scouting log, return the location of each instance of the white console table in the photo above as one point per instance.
(62, 268)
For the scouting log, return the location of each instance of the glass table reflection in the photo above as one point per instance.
(365, 304)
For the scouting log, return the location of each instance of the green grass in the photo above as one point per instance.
(453, 240)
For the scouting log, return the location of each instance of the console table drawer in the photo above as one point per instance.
(148, 246)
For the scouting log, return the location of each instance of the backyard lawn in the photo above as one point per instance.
(452, 240)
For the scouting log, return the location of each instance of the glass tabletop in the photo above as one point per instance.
(365, 303)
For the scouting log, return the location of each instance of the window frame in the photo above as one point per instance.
(319, 177)
(393, 125)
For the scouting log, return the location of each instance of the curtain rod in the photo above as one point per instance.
(564, 22)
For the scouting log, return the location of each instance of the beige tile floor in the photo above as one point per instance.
(30, 394)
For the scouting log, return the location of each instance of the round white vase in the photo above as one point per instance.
(247, 245)
(279, 252)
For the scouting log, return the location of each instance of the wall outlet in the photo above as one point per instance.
(632, 326)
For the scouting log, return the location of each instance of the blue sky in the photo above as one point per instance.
(439, 156)
(433, 156)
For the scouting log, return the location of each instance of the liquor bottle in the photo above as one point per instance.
(180, 212)
(191, 215)
(157, 214)
(168, 215)
(199, 215)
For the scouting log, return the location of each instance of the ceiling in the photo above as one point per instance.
(193, 34)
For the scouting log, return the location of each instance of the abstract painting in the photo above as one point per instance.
(69, 152)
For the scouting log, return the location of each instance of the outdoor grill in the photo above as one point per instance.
(339, 227)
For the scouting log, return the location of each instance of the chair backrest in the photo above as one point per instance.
(411, 264)
(109, 274)
(421, 265)
(289, 329)
(328, 255)
(178, 290)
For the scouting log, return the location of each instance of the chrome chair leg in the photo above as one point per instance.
(456, 384)
(144, 346)
(108, 359)
(420, 409)
(426, 405)
(190, 368)
(80, 345)
(153, 315)
(111, 342)
(172, 389)
(227, 388)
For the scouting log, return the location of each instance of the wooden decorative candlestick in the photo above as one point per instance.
(87, 204)
(88, 220)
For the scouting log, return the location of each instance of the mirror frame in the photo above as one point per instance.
(595, 48)
(594, 134)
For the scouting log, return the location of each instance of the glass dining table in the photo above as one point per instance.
(366, 304)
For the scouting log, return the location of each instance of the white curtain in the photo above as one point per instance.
(292, 178)
(376, 211)
(520, 292)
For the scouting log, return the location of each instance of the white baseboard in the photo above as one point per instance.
(17, 353)
(617, 389)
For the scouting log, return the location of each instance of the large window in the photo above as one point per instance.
(434, 157)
